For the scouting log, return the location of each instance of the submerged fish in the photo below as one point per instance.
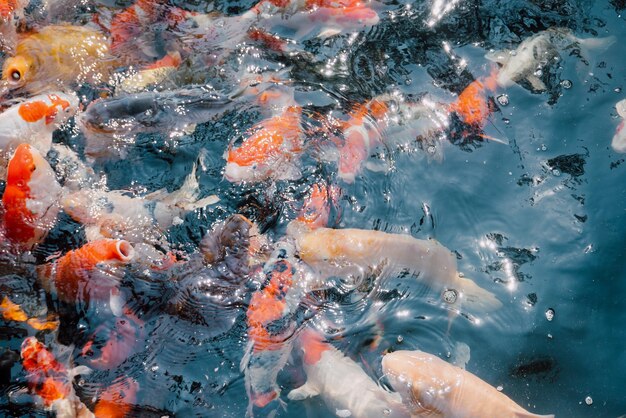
(30, 199)
(124, 116)
(117, 400)
(342, 383)
(114, 214)
(538, 52)
(272, 150)
(13, 312)
(91, 272)
(348, 252)
(121, 342)
(432, 387)
(618, 143)
(33, 121)
(56, 56)
(52, 380)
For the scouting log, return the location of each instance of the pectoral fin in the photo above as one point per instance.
(536, 83)
(303, 392)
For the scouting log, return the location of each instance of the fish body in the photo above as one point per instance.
(30, 199)
(13, 312)
(618, 143)
(126, 115)
(430, 386)
(34, 120)
(90, 272)
(271, 326)
(343, 385)
(120, 344)
(537, 52)
(117, 400)
(350, 252)
(272, 150)
(472, 105)
(58, 55)
(114, 214)
(52, 380)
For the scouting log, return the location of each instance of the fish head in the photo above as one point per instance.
(252, 160)
(17, 71)
(52, 109)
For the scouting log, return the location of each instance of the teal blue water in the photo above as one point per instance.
(539, 220)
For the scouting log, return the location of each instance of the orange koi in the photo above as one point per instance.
(270, 151)
(52, 380)
(13, 312)
(117, 401)
(30, 198)
(316, 210)
(472, 105)
(88, 272)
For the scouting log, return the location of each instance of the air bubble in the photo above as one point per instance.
(503, 99)
(538, 73)
(550, 314)
(400, 338)
(556, 172)
(588, 400)
(566, 84)
(449, 296)
(431, 149)
(543, 147)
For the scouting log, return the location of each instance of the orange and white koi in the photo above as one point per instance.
(91, 272)
(388, 119)
(52, 380)
(618, 143)
(33, 121)
(114, 214)
(430, 386)
(30, 200)
(58, 55)
(320, 18)
(271, 150)
(342, 383)
(270, 326)
(347, 252)
(13, 312)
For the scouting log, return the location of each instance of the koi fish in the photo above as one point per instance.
(33, 121)
(430, 386)
(155, 74)
(52, 380)
(618, 143)
(13, 312)
(120, 344)
(270, 326)
(270, 151)
(317, 207)
(11, 11)
(30, 199)
(337, 252)
(342, 383)
(473, 105)
(114, 214)
(58, 55)
(538, 52)
(124, 116)
(90, 272)
(315, 18)
(117, 400)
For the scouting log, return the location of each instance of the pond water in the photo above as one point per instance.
(532, 204)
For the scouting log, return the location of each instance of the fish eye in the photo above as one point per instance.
(16, 75)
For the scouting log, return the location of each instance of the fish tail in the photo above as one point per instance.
(477, 298)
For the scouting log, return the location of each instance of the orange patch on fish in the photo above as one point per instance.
(472, 104)
(117, 401)
(46, 376)
(313, 346)
(37, 110)
(269, 139)
(316, 208)
(18, 219)
(71, 273)
(268, 305)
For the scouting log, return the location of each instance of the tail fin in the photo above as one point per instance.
(599, 45)
(477, 298)
(186, 197)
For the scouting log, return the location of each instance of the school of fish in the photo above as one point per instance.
(162, 82)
